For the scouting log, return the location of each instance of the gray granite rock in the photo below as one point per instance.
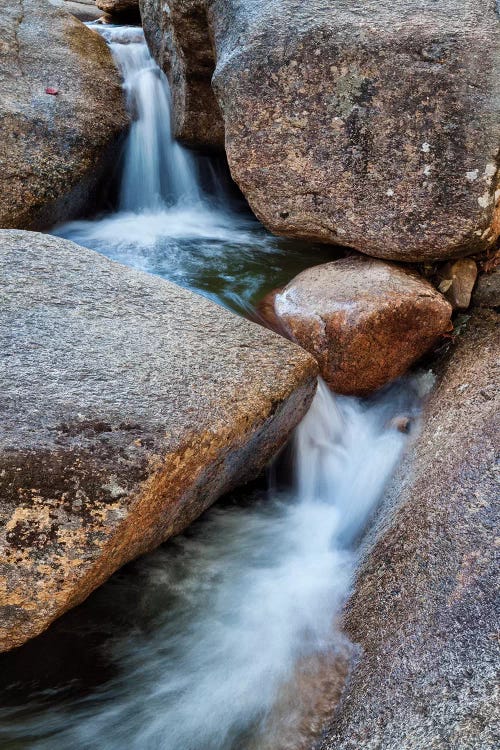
(84, 10)
(425, 607)
(127, 406)
(372, 124)
(62, 114)
(487, 291)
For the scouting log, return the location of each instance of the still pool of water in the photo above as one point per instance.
(222, 253)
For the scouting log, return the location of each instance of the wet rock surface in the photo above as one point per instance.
(424, 610)
(62, 114)
(178, 36)
(365, 321)
(121, 10)
(128, 405)
(267, 312)
(372, 125)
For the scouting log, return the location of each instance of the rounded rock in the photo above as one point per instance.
(365, 321)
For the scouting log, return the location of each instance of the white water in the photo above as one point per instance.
(211, 628)
(160, 194)
(157, 172)
(175, 216)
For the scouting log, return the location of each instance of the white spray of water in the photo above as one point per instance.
(242, 601)
(157, 172)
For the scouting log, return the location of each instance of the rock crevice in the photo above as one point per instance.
(179, 37)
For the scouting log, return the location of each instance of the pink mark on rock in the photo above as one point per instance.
(50, 90)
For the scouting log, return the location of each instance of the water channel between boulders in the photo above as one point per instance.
(220, 639)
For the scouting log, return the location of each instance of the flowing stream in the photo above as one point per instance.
(178, 215)
(219, 639)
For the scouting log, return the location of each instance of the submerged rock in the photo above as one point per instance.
(373, 125)
(54, 150)
(178, 36)
(128, 405)
(365, 321)
(424, 606)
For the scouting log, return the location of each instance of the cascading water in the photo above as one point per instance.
(157, 172)
(176, 216)
(199, 645)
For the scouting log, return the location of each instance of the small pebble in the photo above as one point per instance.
(401, 423)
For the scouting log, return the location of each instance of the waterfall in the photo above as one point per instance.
(157, 172)
(176, 214)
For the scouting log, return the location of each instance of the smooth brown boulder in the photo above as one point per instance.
(373, 125)
(456, 282)
(62, 114)
(127, 406)
(365, 321)
(424, 612)
(179, 39)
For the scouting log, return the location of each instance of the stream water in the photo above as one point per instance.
(218, 640)
(178, 214)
